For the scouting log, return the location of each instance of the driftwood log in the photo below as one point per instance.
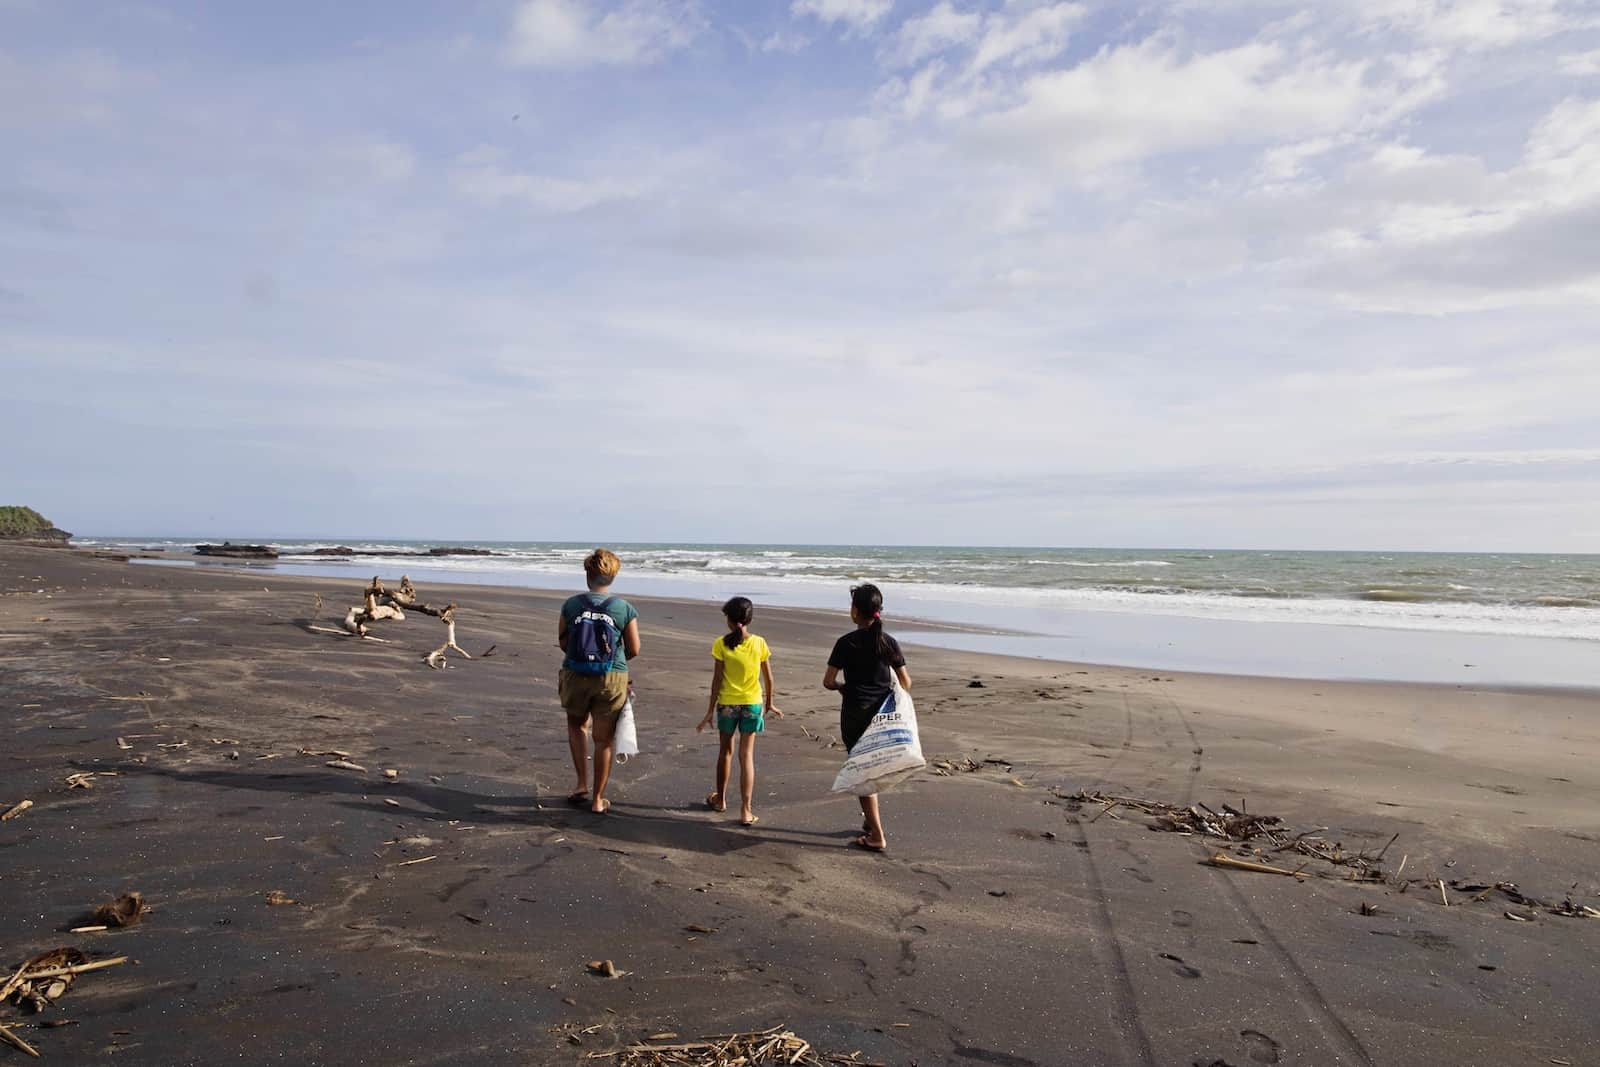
(379, 603)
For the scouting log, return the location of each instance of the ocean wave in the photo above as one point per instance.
(1096, 564)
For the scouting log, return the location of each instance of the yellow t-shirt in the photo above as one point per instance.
(741, 669)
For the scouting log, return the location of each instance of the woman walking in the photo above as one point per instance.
(598, 634)
(741, 697)
(871, 661)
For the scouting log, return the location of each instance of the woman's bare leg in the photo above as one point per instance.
(874, 836)
(719, 799)
(605, 751)
(578, 741)
(747, 777)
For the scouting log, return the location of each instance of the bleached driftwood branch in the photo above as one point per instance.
(379, 603)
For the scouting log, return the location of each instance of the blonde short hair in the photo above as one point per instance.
(602, 565)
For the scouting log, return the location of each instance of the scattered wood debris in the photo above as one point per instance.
(127, 910)
(1236, 825)
(278, 898)
(81, 780)
(15, 810)
(944, 768)
(605, 969)
(10, 1037)
(43, 980)
(345, 765)
(775, 1046)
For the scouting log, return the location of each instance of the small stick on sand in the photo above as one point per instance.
(1442, 895)
(76, 968)
(5, 1032)
(88, 929)
(16, 810)
(407, 863)
(1222, 859)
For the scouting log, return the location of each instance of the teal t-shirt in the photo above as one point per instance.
(620, 611)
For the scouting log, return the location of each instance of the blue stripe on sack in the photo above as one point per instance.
(888, 739)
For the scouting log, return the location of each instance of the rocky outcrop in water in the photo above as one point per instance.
(229, 550)
(25, 526)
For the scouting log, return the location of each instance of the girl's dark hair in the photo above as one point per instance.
(867, 600)
(738, 611)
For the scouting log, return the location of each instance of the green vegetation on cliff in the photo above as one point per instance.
(27, 524)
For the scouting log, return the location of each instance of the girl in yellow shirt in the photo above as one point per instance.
(741, 691)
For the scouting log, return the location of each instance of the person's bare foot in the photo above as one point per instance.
(865, 842)
(749, 818)
(715, 802)
(601, 806)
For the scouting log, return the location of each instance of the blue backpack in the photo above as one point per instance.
(592, 640)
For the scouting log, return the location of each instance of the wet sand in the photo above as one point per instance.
(1006, 925)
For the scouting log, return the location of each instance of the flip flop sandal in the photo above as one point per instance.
(578, 799)
(865, 846)
(604, 810)
(711, 803)
(751, 821)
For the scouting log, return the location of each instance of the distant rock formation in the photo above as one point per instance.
(459, 552)
(232, 551)
(26, 526)
(340, 550)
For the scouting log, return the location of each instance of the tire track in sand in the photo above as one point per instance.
(1124, 1008)
(1339, 1038)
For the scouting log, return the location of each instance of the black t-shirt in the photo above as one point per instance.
(867, 679)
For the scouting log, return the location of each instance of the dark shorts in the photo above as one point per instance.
(853, 722)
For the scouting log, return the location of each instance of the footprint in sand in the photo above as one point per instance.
(1262, 1048)
(1179, 967)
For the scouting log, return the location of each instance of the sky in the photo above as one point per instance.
(1212, 273)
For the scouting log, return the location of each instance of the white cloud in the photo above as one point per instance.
(1134, 102)
(785, 42)
(924, 35)
(857, 14)
(576, 33)
(481, 177)
(386, 161)
(1481, 24)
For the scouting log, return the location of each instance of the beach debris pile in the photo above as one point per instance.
(1262, 834)
(15, 810)
(1509, 892)
(43, 980)
(944, 768)
(778, 1045)
(127, 910)
(379, 602)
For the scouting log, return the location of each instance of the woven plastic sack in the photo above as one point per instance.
(627, 736)
(888, 751)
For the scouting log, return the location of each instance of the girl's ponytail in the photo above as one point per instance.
(867, 601)
(738, 611)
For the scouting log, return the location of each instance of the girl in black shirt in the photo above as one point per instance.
(871, 661)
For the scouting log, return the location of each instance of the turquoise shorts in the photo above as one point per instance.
(739, 718)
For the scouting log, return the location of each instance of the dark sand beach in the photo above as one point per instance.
(1008, 925)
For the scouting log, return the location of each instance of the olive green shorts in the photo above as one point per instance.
(599, 697)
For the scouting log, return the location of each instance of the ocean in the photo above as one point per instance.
(1051, 594)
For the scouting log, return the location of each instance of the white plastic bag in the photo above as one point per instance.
(627, 735)
(888, 751)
